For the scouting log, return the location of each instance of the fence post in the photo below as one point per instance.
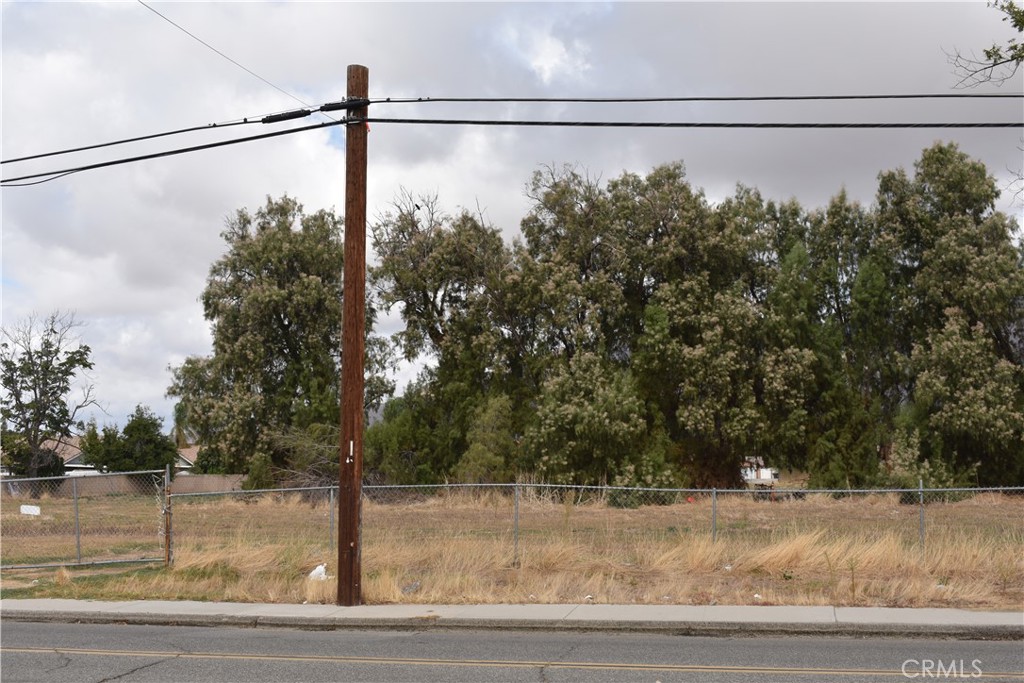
(168, 543)
(331, 507)
(920, 489)
(714, 515)
(78, 528)
(515, 529)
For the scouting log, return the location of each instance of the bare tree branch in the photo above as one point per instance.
(40, 360)
(974, 72)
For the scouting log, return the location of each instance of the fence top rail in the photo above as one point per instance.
(982, 489)
(589, 487)
(573, 487)
(567, 487)
(242, 492)
(91, 475)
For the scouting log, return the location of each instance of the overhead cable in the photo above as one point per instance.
(9, 182)
(240, 66)
(348, 104)
(722, 98)
(352, 103)
(685, 124)
(128, 140)
(520, 123)
(39, 182)
(270, 118)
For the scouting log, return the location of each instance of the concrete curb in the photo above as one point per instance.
(1001, 626)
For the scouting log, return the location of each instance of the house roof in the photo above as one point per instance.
(68, 449)
(188, 454)
(70, 452)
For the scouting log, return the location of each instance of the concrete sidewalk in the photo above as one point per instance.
(676, 619)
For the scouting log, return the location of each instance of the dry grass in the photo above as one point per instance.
(459, 548)
(113, 527)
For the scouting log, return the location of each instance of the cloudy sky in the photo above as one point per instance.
(128, 248)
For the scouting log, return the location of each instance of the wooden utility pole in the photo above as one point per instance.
(353, 335)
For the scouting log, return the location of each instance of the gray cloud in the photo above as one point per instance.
(129, 247)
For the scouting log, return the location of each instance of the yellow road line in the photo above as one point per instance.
(600, 666)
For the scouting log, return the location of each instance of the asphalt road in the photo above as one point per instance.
(80, 653)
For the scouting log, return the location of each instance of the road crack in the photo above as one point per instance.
(63, 665)
(136, 669)
(565, 657)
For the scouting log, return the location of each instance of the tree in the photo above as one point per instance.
(446, 273)
(789, 380)
(575, 249)
(141, 445)
(701, 358)
(422, 434)
(644, 336)
(17, 456)
(970, 403)
(590, 422)
(855, 363)
(998, 63)
(183, 435)
(434, 266)
(40, 358)
(274, 304)
(703, 348)
(492, 446)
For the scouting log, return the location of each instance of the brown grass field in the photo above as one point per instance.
(458, 546)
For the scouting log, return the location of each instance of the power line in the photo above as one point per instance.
(269, 118)
(173, 152)
(240, 66)
(128, 140)
(294, 114)
(725, 98)
(345, 104)
(683, 124)
(39, 182)
(520, 123)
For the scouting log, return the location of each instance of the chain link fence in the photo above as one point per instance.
(103, 519)
(83, 520)
(242, 520)
(522, 518)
